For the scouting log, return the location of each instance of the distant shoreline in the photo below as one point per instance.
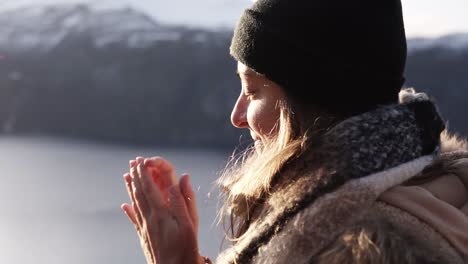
(115, 143)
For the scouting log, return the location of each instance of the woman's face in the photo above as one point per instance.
(257, 106)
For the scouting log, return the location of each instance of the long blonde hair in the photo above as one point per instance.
(249, 176)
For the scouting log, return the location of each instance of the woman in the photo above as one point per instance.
(344, 169)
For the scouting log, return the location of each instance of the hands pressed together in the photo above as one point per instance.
(163, 211)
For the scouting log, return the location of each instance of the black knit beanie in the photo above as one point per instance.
(346, 56)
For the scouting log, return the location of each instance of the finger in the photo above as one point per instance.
(139, 201)
(130, 213)
(190, 199)
(140, 159)
(128, 185)
(135, 210)
(138, 190)
(147, 209)
(132, 163)
(178, 206)
(128, 210)
(152, 193)
(163, 172)
(162, 164)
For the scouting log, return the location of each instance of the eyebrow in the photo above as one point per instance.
(247, 73)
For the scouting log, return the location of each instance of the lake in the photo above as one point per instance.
(61, 200)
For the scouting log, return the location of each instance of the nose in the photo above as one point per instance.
(239, 113)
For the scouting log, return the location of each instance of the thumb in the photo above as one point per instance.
(190, 198)
(178, 206)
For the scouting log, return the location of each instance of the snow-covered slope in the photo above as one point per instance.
(455, 42)
(44, 27)
(211, 14)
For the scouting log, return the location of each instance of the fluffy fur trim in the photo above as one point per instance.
(409, 95)
(324, 192)
(451, 142)
(321, 222)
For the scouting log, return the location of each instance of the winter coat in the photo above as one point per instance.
(393, 166)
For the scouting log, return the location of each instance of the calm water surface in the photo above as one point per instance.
(60, 200)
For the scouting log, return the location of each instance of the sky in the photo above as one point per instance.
(423, 18)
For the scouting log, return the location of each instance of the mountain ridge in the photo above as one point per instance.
(152, 83)
(44, 27)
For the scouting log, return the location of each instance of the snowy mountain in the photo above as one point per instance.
(44, 27)
(77, 71)
(209, 14)
(454, 42)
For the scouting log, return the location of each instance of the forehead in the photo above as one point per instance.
(243, 69)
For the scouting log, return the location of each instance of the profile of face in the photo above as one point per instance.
(257, 108)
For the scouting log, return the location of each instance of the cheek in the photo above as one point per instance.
(262, 117)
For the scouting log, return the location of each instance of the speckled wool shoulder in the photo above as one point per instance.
(330, 187)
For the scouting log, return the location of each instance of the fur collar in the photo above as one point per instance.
(349, 168)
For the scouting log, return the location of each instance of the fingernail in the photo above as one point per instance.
(132, 163)
(128, 181)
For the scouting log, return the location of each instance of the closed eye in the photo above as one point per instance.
(250, 94)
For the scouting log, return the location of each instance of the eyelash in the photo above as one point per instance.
(249, 94)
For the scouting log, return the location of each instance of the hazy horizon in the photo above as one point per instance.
(423, 18)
